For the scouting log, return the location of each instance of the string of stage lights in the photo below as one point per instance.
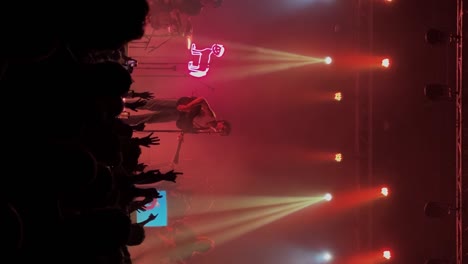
(255, 212)
(363, 137)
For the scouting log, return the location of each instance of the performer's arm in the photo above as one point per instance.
(207, 108)
(143, 95)
(149, 176)
(188, 107)
(198, 101)
(150, 218)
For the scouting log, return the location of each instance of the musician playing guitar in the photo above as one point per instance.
(191, 114)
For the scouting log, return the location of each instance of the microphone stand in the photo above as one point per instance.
(175, 159)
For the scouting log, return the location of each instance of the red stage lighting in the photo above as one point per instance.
(387, 254)
(386, 63)
(189, 42)
(338, 96)
(384, 191)
(338, 157)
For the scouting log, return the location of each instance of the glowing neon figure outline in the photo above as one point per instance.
(195, 71)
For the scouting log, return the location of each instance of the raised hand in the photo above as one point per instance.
(134, 105)
(148, 141)
(171, 175)
(154, 194)
(140, 167)
(140, 206)
(144, 95)
(147, 177)
(151, 217)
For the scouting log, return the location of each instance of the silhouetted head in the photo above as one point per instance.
(99, 193)
(130, 156)
(137, 235)
(107, 79)
(102, 230)
(122, 129)
(106, 24)
(105, 145)
(72, 166)
(114, 107)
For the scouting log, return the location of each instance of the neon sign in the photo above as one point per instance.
(201, 68)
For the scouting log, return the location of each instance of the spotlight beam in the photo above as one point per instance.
(242, 72)
(233, 233)
(233, 219)
(255, 53)
(267, 57)
(231, 203)
(275, 53)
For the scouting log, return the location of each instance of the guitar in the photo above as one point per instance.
(185, 120)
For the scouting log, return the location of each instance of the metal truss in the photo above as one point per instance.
(461, 144)
(364, 25)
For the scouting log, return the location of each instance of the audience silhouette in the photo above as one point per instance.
(73, 185)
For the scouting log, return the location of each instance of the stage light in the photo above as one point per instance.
(435, 37)
(189, 43)
(437, 261)
(386, 63)
(338, 96)
(437, 210)
(328, 60)
(438, 92)
(338, 157)
(384, 191)
(327, 256)
(387, 254)
(388, 1)
(328, 197)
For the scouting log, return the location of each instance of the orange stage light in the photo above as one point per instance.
(338, 96)
(384, 191)
(387, 254)
(386, 62)
(338, 157)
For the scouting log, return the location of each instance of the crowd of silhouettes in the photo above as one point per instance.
(71, 164)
